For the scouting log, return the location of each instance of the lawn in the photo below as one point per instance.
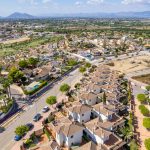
(143, 78)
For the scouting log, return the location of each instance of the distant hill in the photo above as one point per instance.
(18, 15)
(145, 14)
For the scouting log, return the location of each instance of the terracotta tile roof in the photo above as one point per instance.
(88, 96)
(100, 108)
(80, 109)
(95, 127)
(88, 146)
(66, 127)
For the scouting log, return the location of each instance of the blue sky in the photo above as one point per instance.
(47, 7)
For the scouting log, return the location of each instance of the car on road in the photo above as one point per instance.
(37, 117)
(45, 109)
(30, 126)
(17, 137)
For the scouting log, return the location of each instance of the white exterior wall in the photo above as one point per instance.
(79, 117)
(59, 138)
(98, 114)
(96, 138)
(77, 139)
(84, 118)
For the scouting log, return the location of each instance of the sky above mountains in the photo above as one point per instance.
(47, 7)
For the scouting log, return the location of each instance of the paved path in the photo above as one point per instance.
(143, 133)
(6, 138)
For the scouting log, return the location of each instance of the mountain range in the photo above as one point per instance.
(145, 14)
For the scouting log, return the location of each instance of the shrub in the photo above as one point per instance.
(146, 123)
(144, 110)
(133, 145)
(141, 98)
(87, 65)
(148, 88)
(82, 69)
(147, 143)
(64, 88)
(51, 100)
(21, 130)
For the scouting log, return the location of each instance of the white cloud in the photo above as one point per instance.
(32, 2)
(46, 1)
(95, 2)
(135, 1)
(78, 3)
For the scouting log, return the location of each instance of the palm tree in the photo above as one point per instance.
(128, 134)
(6, 85)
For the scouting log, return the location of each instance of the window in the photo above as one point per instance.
(82, 120)
(82, 114)
(72, 136)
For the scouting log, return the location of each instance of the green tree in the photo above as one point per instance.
(64, 88)
(148, 88)
(87, 65)
(15, 74)
(133, 145)
(23, 63)
(128, 134)
(6, 84)
(104, 98)
(141, 98)
(33, 61)
(147, 143)
(51, 100)
(146, 123)
(21, 130)
(82, 69)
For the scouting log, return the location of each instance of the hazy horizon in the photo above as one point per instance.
(49, 7)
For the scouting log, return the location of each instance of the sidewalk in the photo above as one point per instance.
(142, 132)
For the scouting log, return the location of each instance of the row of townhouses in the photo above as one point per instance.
(90, 116)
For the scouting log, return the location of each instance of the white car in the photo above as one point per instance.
(45, 109)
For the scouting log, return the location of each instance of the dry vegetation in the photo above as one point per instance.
(132, 64)
(143, 78)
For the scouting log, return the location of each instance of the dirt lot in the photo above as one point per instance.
(22, 39)
(143, 78)
(133, 64)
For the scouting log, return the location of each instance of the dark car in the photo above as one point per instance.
(45, 109)
(17, 137)
(37, 117)
(30, 126)
(2, 129)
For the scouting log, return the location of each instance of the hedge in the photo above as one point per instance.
(144, 110)
(43, 83)
(147, 143)
(146, 123)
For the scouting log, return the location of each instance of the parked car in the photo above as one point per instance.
(45, 109)
(17, 137)
(37, 117)
(30, 126)
(2, 129)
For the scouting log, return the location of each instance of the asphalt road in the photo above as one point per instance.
(6, 138)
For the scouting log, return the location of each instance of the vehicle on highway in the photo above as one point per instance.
(37, 117)
(30, 126)
(17, 137)
(45, 109)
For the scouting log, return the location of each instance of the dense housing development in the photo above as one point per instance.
(74, 83)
